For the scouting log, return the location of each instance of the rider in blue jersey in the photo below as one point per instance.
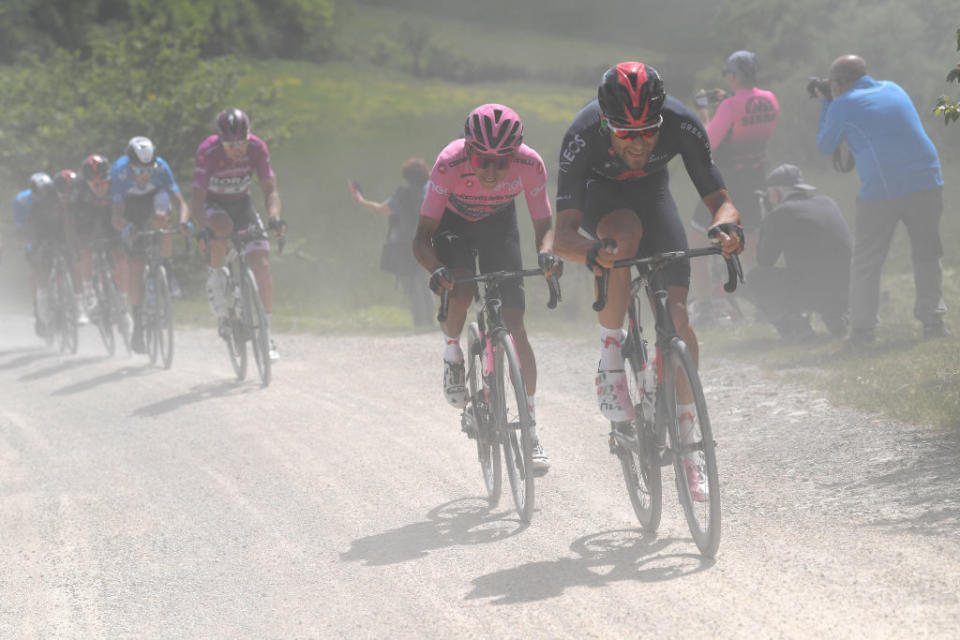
(135, 180)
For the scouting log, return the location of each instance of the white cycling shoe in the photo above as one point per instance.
(453, 388)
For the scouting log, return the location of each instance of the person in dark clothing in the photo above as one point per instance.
(816, 243)
(403, 212)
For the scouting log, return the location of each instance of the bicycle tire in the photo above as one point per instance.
(235, 332)
(67, 310)
(641, 470)
(703, 516)
(488, 447)
(164, 317)
(104, 311)
(511, 393)
(255, 320)
(148, 314)
(118, 309)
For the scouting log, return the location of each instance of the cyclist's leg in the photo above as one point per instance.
(138, 211)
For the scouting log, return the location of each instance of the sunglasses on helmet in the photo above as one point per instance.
(629, 133)
(480, 161)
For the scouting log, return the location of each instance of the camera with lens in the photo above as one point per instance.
(764, 199)
(709, 97)
(821, 84)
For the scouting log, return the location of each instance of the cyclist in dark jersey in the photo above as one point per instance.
(614, 185)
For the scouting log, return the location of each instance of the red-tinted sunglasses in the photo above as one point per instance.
(629, 133)
(499, 163)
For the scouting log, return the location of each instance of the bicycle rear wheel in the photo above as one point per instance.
(641, 468)
(694, 450)
(105, 311)
(66, 310)
(488, 445)
(164, 317)
(255, 323)
(513, 419)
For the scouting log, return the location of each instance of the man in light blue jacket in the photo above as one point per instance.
(900, 180)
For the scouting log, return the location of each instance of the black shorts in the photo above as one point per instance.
(742, 186)
(497, 242)
(139, 209)
(654, 205)
(241, 212)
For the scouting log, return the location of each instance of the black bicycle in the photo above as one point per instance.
(111, 307)
(671, 423)
(63, 303)
(156, 308)
(496, 414)
(246, 319)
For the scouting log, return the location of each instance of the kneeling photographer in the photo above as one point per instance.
(810, 233)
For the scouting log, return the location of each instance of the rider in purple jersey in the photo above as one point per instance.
(226, 163)
(470, 198)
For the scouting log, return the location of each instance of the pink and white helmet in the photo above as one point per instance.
(493, 129)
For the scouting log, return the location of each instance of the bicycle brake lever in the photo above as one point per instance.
(602, 282)
(554, 285)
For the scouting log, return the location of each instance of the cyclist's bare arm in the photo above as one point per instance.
(271, 197)
(198, 201)
(572, 246)
(720, 205)
(117, 216)
(543, 237)
(181, 206)
(423, 245)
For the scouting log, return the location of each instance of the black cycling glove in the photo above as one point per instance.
(598, 246)
(729, 228)
(547, 261)
(441, 273)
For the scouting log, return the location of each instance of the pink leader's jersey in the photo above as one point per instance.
(743, 123)
(453, 185)
(225, 180)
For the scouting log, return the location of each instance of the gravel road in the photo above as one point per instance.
(342, 501)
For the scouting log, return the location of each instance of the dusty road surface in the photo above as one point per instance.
(342, 501)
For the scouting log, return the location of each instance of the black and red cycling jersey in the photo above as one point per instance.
(586, 154)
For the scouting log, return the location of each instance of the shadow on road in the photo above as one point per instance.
(465, 521)
(197, 393)
(27, 358)
(923, 484)
(602, 558)
(66, 365)
(113, 376)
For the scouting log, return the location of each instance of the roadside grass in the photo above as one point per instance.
(903, 376)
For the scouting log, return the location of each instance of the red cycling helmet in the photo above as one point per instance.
(95, 168)
(493, 129)
(631, 95)
(64, 181)
(233, 125)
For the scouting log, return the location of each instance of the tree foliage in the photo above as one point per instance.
(151, 82)
(950, 109)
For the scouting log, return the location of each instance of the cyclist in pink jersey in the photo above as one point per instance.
(226, 163)
(739, 131)
(470, 206)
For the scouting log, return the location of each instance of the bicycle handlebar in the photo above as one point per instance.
(498, 276)
(658, 261)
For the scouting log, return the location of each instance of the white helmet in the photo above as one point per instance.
(141, 152)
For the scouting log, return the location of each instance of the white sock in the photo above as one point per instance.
(269, 321)
(451, 348)
(610, 356)
(532, 406)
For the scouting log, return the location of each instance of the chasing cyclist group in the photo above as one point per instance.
(75, 211)
(613, 201)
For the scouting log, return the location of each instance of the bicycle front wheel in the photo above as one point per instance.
(66, 310)
(477, 410)
(641, 466)
(255, 322)
(105, 311)
(164, 317)
(694, 450)
(512, 416)
(234, 330)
